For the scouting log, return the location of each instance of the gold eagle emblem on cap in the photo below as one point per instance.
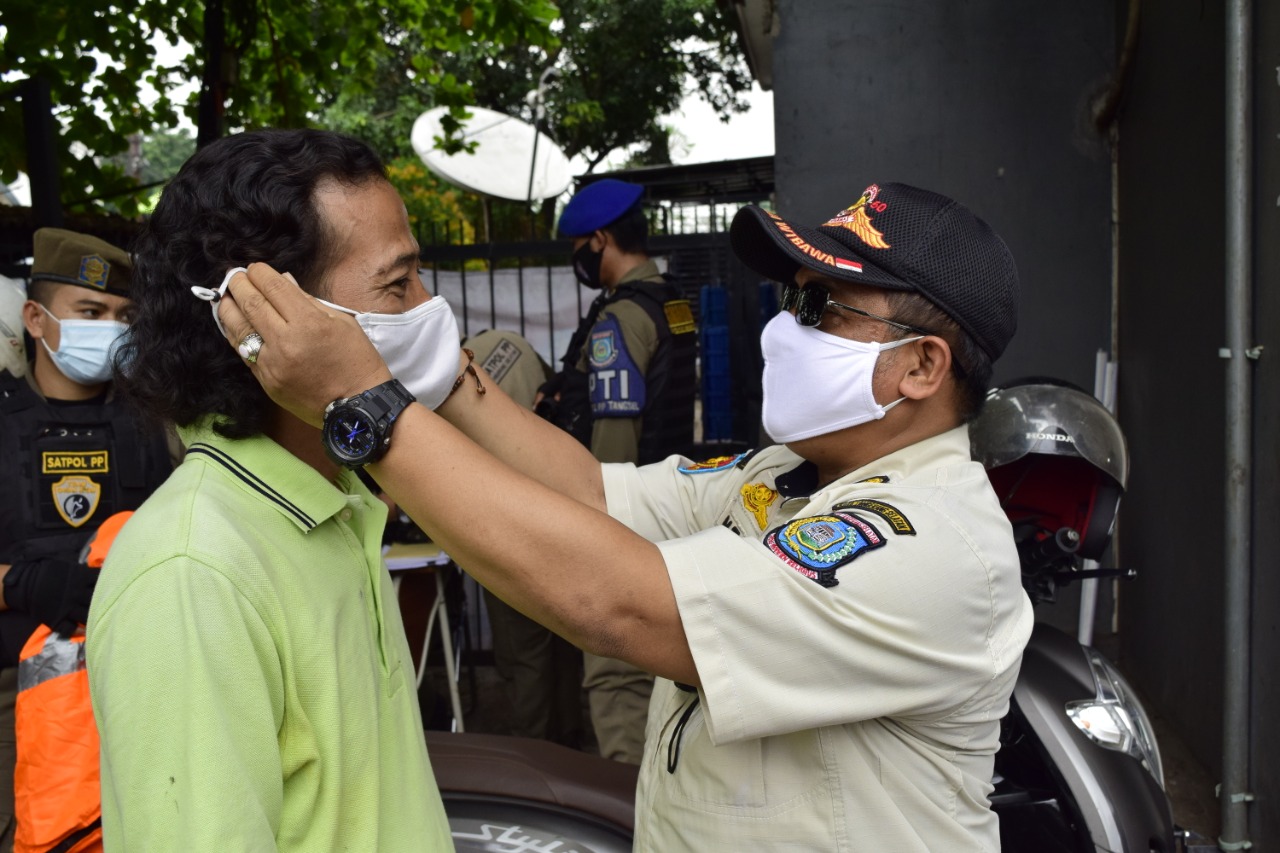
(856, 219)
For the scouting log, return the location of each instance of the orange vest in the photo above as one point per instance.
(57, 794)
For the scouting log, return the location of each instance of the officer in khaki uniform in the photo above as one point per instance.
(836, 622)
(542, 672)
(72, 453)
(627, 392)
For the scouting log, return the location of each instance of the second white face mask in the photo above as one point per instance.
(419, 346)
(816, 383)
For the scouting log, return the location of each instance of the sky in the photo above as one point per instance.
(749, 134)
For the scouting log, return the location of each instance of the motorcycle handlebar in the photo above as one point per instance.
(1045, 553)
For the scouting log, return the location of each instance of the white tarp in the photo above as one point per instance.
(553, 302)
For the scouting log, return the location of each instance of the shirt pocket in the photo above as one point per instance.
(758, 776)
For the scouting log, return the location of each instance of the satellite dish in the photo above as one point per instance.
(509, 149)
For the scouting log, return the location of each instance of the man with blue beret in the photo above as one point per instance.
(626, 391)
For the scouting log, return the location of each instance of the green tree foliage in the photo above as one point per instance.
(624, 65)
(282, 63)
(621, 65)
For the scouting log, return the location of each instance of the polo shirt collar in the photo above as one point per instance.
(283, 481)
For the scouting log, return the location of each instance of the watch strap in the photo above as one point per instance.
(385, 402)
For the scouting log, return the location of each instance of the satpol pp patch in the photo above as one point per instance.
(818, 545)
(76, 499)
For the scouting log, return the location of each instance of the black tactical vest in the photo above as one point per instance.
(671, 381)
(66, 468)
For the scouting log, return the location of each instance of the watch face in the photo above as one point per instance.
(350, 433)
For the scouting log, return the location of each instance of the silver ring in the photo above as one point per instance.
(250, 346)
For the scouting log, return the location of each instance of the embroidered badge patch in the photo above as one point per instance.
(818, 545)
(75, 462)
(717, 463)
(499, 362)
(76, 498)
(604, 348)
(756, 499)
(94, 270)
(888, 512)
(679, 316)
(856, 219)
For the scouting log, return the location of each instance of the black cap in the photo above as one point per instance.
(900, 238)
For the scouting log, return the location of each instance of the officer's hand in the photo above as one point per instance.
(57, 592)
(310, 355)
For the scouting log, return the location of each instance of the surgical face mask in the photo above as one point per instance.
(85, 348)
(586, 265)
(815, 382)
(419, 346)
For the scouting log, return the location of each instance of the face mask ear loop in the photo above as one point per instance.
(885, 409)
(212, 296)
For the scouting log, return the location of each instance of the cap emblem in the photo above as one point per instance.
(810, 250)
(856, 219)
(94, 270)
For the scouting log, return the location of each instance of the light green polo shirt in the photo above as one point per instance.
(250, 676)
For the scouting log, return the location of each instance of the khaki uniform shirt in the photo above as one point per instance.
(511, 362)
(862, 715)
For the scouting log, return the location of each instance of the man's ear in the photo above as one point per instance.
(599, 240)
(33, 318)
(925, 363)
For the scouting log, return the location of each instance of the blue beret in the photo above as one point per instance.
(598, 205)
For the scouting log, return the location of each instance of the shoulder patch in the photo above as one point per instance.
(679, 316)
(499, 362)
(818, 545)
(888, 512)
(717, 463)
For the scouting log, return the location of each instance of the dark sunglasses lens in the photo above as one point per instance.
(811, 301)
(790, 295)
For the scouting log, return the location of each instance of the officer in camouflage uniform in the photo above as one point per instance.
(626, 391)
(70, 455)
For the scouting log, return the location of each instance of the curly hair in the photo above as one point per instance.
(241, 199)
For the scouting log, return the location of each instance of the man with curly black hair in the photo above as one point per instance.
(251, 679)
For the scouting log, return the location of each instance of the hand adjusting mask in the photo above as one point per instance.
(420, 346)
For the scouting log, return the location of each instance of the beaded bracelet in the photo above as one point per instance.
(470, 368)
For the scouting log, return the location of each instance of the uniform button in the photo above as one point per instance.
(345, 515)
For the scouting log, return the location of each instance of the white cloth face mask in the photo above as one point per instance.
(815, 382)
(419, 346)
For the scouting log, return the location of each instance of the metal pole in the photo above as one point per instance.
(1234, 791)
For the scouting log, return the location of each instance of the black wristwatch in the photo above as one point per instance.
(357, 430)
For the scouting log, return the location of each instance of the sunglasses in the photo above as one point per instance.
(811, 302)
